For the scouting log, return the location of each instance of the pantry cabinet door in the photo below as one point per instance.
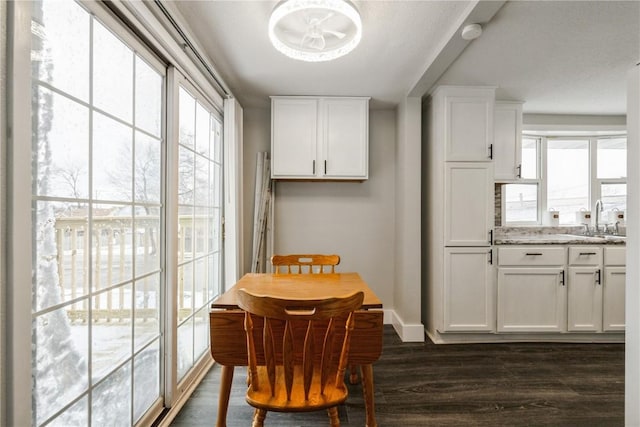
(469, 204)
(468, 290)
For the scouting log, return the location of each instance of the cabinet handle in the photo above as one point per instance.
(587, 253)
(491, 151)
(519, 175)
(314, 167)
(598, 277)
(491, 256)
(325, 167)
(533, 253)
(491, 237)
(562, 277)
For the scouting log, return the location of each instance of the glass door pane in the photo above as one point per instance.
(96, 234)
(199, 224)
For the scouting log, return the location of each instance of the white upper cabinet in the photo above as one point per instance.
(294, 135)
(319, 138)
(468, 121)
(507, 146)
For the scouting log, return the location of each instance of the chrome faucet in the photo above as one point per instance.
(599, 208)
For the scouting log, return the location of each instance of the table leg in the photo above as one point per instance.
(367, 389)
(226, 379)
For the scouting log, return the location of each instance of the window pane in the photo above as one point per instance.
(185, 348)
(60, 46)
(614, 196)
(530, 147)
(62, 146)
(612, 158)
(147, 171)
(146, 378)
(112, 159)
(568, 177)
(112, 243)
(111, 404)
(60, 359)
(112, 74)
(147, 312)
(521, 203)
(111, 332)
(148, 98)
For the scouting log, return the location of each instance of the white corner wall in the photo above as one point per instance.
(407, 290)
(257, 138)
(632, 290)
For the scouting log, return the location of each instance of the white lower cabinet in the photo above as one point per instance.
(613, 299)
(584, 299)
(532, 292)
(531, 299)
(613, 289)
(584, 289)
(468, 290)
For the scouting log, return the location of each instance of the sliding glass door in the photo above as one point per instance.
(105, 310)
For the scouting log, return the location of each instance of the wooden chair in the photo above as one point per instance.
(297, 358)
(303, 263)
(310, 264)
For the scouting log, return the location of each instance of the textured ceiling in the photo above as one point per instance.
(559, 57)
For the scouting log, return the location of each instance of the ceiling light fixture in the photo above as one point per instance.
(315, 30)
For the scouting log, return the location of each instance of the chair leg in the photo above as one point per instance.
(353, 374)
(258, 418)
(333, 416)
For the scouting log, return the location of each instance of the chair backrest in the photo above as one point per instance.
(291, 331)
(304, 263)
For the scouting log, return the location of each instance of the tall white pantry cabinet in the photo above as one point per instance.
(459, 209)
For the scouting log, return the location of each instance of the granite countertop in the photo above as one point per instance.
(552, 236)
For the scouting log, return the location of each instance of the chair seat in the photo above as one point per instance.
(262, 398)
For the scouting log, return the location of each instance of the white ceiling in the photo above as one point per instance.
(559, 57)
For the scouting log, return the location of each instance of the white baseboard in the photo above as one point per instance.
(413, 332)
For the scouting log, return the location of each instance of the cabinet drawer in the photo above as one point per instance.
(531, 255)
(585, 255)
(615, 255)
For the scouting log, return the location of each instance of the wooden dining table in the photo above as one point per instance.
(228, 339)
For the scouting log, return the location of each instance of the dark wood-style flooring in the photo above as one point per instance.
(422, 384)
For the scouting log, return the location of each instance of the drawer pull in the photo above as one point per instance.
(588, 253)
(533, 253)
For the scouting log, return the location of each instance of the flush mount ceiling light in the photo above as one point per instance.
(315, 30)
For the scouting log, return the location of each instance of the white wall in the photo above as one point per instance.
(3, 192)
(407, 290)
(257, 137)
(632, 306)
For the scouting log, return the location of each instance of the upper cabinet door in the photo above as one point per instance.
(507, 148)
(345, 136)
(294, 134)
(468, 127)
